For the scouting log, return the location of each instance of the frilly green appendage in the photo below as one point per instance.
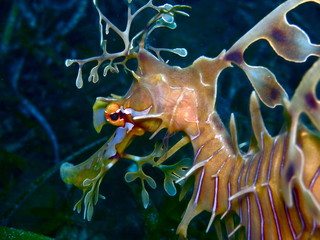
(88, 175)
(171, 172)
(174, 172)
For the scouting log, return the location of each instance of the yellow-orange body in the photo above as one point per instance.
(224, 171)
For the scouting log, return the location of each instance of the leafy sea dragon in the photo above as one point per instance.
(274, 186)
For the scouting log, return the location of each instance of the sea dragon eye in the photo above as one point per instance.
(114, 115)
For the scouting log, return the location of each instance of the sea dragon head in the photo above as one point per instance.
(132, 115)
(137, 112)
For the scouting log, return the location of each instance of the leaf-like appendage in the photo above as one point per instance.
(182, 52)
(88, 205)
(151, 182)
(172, 173)
(164, 17)
(77, 207)
(94, 76)
(265, 83)
(303, 101)
(79, 80)
(288, 41)
(168, 18)
(88, 176)
(69, 62)
(131, 176)
(107, 69)
(291, 42)
(145, 197)
(91, 194)
(163, 23)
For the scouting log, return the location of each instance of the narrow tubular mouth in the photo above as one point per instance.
(116, 156)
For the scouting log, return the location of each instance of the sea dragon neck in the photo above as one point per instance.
(189, 94)
(189, 107)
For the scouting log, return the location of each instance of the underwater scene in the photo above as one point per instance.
(161, 143)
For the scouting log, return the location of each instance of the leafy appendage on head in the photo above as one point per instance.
(164, 17)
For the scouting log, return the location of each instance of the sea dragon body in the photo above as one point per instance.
(274, 186)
